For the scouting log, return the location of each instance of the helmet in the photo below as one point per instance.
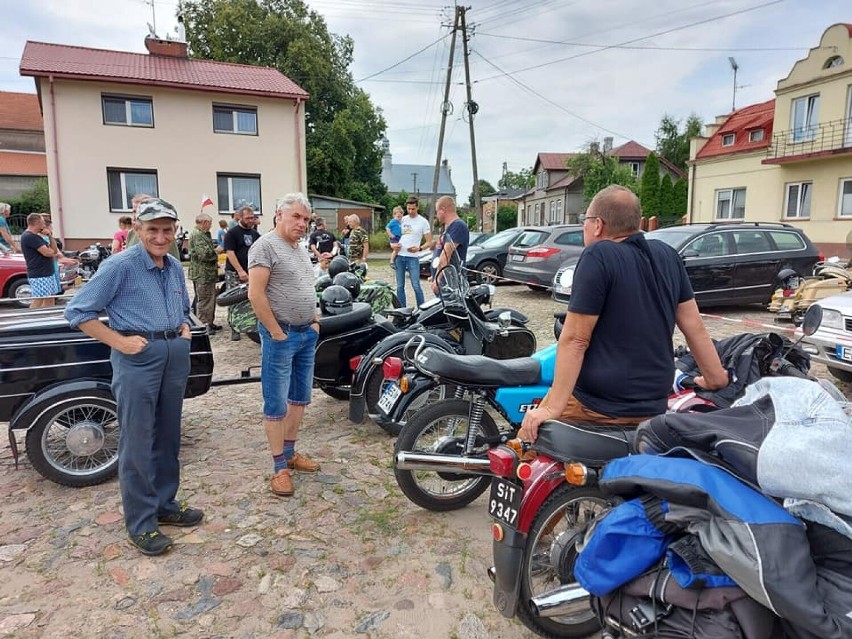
(339, 264)
(335, 300)
(788, 278)
(350, 282)
(322, 283)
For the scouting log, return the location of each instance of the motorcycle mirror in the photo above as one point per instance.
(812, 319)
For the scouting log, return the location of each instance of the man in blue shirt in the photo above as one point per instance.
(143, 292)
(451, 248)
(7, 243)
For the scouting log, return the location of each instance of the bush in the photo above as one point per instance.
(379, 241)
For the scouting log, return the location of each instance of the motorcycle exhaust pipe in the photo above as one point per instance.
(558, 602)
(441, 463)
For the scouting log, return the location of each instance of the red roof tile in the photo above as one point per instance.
(741, 122)
(553, 161)
(41, 59)
(12, 163)
(20, 111)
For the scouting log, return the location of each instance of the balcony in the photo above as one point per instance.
(810, 143)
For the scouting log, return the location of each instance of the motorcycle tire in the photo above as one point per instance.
(549, 558)
(74, 440)
(336, 392)
(233, 296)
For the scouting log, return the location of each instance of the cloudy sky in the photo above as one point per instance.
(548, 75)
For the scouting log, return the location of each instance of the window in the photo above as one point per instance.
(730, 204)
(710, 245)
(756, 135)
(728, 139)
(805, 116)
(227, 119)
(128, 111)
(235, 191)
(558, 211)
(833, 62)
(572, 238)
(751, 242)
(798, 200)
(634, 169)
(553, 219)
(531, 238)
(124, 184)
(529, 214)
(844, 208)
(786, 241)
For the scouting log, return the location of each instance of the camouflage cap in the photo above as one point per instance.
(154, 209)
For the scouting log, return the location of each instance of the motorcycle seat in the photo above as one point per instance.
(592, 444)
(333, 324)
(479, 370)
(402, 313)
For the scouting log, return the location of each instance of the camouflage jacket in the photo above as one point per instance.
(358, 239)
(203, 259)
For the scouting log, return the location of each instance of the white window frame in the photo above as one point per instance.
(235, 111)
(634, 169)
(804, 194)
(231, 203)
(552, 216)
(730, 196)
(128, 110)
(559, 219)
(126, 202)
(755, 135)
(843, 183)
(728, 139)
(805, 109)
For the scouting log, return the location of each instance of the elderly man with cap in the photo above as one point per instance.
(143, 293)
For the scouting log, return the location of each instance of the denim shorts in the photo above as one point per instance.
(287, 369)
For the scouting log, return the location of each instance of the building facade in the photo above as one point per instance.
(22, 156)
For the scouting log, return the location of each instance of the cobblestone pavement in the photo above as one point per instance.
(348, 556)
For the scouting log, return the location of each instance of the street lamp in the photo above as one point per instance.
(735, 67)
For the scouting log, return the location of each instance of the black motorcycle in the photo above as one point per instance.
(90, 259)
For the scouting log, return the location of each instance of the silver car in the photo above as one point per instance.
(832, 343)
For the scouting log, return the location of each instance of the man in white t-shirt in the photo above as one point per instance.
(416, 236)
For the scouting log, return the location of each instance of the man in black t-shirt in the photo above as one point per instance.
(237, 242)
(41, 261)
(615, 361)
(322, 240)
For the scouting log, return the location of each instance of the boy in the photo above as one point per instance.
(394, 231)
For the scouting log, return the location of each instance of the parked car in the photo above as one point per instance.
(13, 277)
(732, 263)
(832, 343)
(539, 252)
(489, 257)
(476, 238)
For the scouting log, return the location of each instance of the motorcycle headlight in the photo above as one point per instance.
(564, 280)
(832, 319)
(491, 290)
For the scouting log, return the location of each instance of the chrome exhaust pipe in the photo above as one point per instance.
(441, 463)
(558, 602)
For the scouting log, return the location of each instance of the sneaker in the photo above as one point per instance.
(151, 543)
(184, 517)
(213, 328)
(282, 483)
(235, 336)
(303, 464)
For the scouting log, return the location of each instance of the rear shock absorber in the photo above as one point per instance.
(477, 406)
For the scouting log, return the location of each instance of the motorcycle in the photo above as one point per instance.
(540, 509)
(796, 293)
(90, 259)
(471, 332)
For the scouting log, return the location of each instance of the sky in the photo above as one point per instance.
(547, 75)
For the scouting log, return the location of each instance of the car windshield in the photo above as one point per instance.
(674, 236)
(531, 238)
(479, 238)
(501, 239)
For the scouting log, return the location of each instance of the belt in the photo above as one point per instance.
(149, 335)
(297, 328)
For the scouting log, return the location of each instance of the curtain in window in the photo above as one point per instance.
(246, 191)
(723, 205)
(223, 120)
(136, 183)
(141, 113)
(247, 121)
(738, 208)
(115, 111)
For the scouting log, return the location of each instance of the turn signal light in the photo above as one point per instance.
(575, 474)
(403, 383)
(497, 532)
(392, 368)
(524, 471)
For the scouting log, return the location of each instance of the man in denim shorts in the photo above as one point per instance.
(281, 291)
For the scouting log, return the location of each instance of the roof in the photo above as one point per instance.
(362, 205)
(740, 123)
(400, 177)
(564, 182)
(634, 151)
(506, 194)
(41, 59)
(17, 163)
(20, 111)
(553, 161)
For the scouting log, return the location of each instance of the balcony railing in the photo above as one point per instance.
(818, 140)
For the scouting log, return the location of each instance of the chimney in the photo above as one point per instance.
(166, 48)
(607, 147)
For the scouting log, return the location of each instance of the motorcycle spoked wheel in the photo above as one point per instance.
(549, 558)
(441, 428)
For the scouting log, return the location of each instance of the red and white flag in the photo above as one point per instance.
(206, 201)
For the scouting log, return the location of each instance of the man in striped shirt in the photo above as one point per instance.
(143, 292)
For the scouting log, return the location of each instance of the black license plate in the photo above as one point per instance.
(505, 501)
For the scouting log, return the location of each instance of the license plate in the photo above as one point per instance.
(388, 399)
(844, 353)
(517, 258)
(505, 501)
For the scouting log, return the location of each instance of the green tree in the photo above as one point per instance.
(598, 171)
(681, 196)
(343, 129)
(523, 179)
(666, 196)
(507, 217)
(673, 142)
(34, 200)
(485, 188)
(649, 186)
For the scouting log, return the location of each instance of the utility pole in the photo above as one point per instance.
(414, 191)
(446, 108)
(472, 108)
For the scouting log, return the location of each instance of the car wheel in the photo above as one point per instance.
(536, 287)
(842, 375)
(21, 292)
(489, 271)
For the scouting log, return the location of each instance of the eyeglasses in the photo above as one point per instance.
(582, 218)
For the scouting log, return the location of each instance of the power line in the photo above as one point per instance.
(406, 59)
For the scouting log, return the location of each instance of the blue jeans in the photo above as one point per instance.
(412, 266)
(148, 388)
(286, 369)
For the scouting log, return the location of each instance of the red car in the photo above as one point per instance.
(13, 276)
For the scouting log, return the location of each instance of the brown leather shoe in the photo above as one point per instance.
(303, 464)
(282, 483)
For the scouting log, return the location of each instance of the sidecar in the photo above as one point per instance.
(55, 388)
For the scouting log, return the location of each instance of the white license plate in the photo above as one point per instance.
(388, 399)
(505, 501)
(844, 353)
(517, 258)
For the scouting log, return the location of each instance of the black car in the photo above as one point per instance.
(733, 263)
(476, 238)
(488, 258)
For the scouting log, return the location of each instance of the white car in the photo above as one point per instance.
(832, 343)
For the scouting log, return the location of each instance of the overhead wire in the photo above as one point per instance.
(404, 60)
(638, 47)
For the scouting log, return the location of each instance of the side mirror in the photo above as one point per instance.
(689, 253)
(812, 319)
(504, 319)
